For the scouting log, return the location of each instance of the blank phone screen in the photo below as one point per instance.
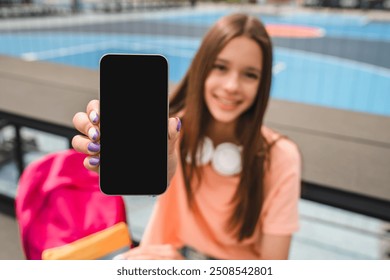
(133, 124)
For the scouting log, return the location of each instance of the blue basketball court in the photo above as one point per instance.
(304, 70)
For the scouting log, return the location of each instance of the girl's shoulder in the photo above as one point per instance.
(281, 146)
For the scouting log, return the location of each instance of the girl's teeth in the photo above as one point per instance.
(227, 102)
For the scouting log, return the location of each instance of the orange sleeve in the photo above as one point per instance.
(280, 214)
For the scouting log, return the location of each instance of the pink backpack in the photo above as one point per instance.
(59, 202)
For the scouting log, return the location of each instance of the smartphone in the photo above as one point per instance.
(133, 124)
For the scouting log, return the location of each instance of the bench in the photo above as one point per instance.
(346, 155)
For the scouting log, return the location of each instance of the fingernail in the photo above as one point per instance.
(93, 117)
(118, 257)
(94, 161)
(93, 133)
(93, 147)
(178, 127)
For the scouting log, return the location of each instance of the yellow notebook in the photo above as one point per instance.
(104, 244)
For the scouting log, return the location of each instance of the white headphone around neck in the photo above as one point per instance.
(225, 158)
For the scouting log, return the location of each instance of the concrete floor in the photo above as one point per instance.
(10, 245)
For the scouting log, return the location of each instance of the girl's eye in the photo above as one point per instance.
(219, 67)
(252, 76)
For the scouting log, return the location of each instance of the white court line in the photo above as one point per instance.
(86, 48)
(278, 67)
(329, 59)
(61, 52)
(172, 50)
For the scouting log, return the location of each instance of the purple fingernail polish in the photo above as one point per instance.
(178, 127)
(93, 147)
(94, 117)
(94, 161)
(93, 133)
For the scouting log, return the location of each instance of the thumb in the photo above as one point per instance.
(174, 127)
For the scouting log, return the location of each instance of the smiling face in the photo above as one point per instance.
(232, 84)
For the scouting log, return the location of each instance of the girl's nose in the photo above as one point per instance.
(232, 82)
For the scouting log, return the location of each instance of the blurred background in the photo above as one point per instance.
(330, 93)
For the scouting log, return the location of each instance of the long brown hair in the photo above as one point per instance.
(188, 97)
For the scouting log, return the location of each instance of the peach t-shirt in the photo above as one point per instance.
(172, 221)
